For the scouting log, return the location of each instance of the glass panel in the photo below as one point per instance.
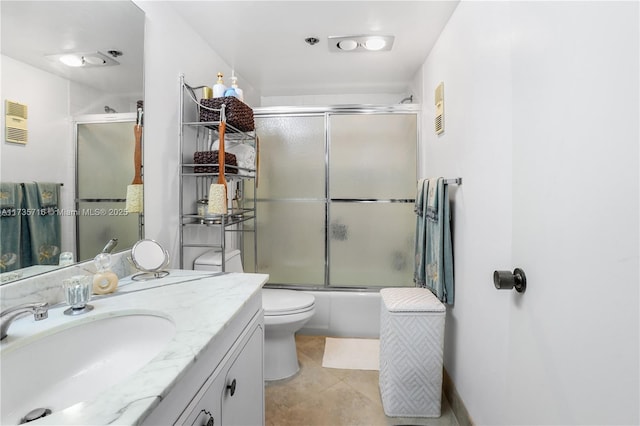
(371, 244)
(98, 222)
(290, 242)
(373, 156)
(291, 157)
(105, 159)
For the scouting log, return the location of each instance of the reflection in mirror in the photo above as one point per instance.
(34, 34)
(151, 258)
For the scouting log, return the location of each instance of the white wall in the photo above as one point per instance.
(541, 122)
(171, 49)
(48, 155)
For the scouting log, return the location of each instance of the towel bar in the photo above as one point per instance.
(455, 181)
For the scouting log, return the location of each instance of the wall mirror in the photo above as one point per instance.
(90, 102)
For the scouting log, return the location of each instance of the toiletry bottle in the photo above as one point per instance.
(231, 92)
(219, 88)
(234, 84)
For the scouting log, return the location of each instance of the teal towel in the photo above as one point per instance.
(43, 226)
(48, 194)
(434, 255)
(419, 276)
(11, 227)
(8, 195)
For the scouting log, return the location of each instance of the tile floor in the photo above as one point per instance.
(319, 396)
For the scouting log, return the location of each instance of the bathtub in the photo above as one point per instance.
(344, 314)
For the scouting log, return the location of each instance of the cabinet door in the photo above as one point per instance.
(223, 402)
(243, 397)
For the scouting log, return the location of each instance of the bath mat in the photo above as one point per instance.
(351, 354)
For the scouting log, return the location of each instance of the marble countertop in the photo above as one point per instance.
(200, 304)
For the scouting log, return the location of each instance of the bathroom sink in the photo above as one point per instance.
(68, 365)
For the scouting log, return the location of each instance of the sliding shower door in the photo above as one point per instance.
(335, 198)
(291, 200)
(104, 170)
(372, 184)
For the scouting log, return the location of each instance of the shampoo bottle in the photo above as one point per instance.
(219, 88)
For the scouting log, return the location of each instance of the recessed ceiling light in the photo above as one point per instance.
(347, 44)
(360, 43)
(81, 59)
(375, 43)
(71, 60)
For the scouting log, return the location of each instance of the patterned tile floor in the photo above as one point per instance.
(319, 396)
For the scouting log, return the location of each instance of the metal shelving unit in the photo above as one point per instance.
(195, 186)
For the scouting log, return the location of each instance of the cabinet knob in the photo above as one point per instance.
(232, 387)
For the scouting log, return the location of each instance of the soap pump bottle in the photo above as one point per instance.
(219, 88)
(234, 84)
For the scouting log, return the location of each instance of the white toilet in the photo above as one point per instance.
(285, 312)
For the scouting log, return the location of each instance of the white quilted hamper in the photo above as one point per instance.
(411, 342)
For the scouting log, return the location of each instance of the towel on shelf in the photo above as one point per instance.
(245, 155)
(44, 228)
(48, 194)
(434, 254)
(10, 227)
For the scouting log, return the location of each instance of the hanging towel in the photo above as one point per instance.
(42, 225)
(48, 194)
(10, 226)
(419, 276)
(434, 254)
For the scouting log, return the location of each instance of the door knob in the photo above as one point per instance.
(232, 387)
(506, 280)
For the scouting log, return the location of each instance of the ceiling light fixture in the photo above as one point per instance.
(361, 43)
(91, 59)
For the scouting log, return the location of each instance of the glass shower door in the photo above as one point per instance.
(372, 187)
(291, 200)
(104, 170)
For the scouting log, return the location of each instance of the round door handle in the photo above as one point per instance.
(210, 422)
(506, 280)
(232, 387)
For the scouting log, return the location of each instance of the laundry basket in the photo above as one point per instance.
(411, 345)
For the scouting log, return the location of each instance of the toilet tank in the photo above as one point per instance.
(212, 261)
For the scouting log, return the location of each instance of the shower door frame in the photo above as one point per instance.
(326, 112)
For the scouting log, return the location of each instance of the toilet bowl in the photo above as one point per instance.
(285, 312)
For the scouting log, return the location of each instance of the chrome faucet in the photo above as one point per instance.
(110, 246)
(39, 310)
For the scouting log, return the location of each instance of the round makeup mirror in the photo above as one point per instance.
(151, 258)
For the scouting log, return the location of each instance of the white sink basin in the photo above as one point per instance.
(77, 363)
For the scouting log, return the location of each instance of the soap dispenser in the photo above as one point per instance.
(219, 88)
(104, 281)
(234, 84)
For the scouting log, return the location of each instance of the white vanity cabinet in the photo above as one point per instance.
(225, 386)
(234, 394)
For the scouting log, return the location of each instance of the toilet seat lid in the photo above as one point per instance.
(280, 301)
